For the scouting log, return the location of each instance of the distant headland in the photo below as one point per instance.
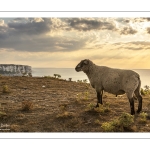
(15, 70)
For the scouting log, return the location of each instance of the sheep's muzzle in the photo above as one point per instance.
(78, 69)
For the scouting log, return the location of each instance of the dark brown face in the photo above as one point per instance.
(82, 66)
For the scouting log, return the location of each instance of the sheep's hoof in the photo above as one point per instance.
(132, 113)
(96, 106)
(138, 111)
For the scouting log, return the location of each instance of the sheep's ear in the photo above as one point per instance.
(86, 62)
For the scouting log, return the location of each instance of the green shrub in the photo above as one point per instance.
(143, 117)
(108, 127)
(126, 119)
(79, 81)
(5, 89)
(123, 122)
(142, 92)
(85, 81)
(90, 106)
(145, 91)
(86, 95)
(101, 109)
(57, 75)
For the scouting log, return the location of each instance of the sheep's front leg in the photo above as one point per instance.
(132, 106)
(99, 98)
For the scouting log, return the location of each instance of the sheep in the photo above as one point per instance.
(114, 81)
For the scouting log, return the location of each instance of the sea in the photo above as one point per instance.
(67, 73)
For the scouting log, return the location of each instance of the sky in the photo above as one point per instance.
(117, 42)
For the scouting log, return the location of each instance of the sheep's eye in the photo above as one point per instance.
(79, 66)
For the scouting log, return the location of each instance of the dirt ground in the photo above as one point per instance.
(60, 106)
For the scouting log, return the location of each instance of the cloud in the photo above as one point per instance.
(42, 43)
(141, 19)
(126, 20)
(133, 48)
(148, 30)
(62, 34)
(127, 31)
(1, 22)
(123, 20)
(83, 24)
(33, 26)
(146, 18)
(142, 43)
(38, 20)
(134, 45)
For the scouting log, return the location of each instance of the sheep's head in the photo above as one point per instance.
(83, 66)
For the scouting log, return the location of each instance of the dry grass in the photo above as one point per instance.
(27, 105)
(65, 114)
(57, 108)
(2, 114)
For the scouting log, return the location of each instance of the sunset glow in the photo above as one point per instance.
(63, 42)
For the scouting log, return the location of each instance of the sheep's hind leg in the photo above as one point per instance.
(131, 101)
(140, 104)
(139, 97)
(99, 98)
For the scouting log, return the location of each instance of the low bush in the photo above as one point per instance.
(6, 89)
(101, 109)
(143, 117)
(121, 124)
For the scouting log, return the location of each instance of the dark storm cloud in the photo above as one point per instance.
(3, 32)
(42, 44)
(30, 27)
(30, 35)
(18, 19)
(24, 27)
(87, 24)
(127, 30)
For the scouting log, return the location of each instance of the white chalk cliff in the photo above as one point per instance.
(15, 70)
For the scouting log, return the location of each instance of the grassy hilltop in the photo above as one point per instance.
(44, 104)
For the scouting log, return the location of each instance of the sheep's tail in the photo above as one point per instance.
(139, 85)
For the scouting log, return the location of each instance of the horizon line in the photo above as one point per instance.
(74, 67)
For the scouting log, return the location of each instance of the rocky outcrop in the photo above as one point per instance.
(15, 70)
